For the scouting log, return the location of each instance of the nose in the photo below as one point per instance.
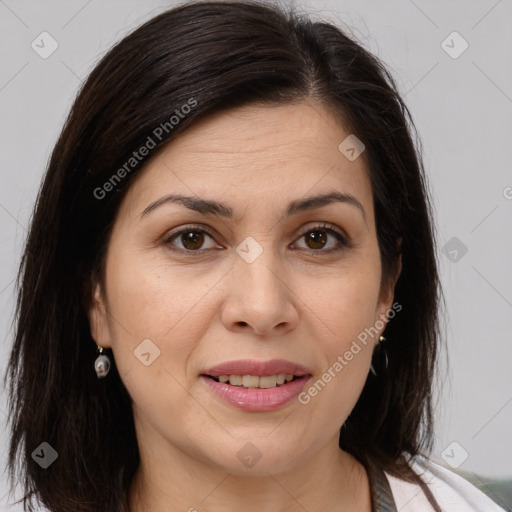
(259, 299)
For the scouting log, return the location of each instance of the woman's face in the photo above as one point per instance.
(248, 267)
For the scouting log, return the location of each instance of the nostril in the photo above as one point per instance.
(243, 324)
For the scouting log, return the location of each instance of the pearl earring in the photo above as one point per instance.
(102, 364)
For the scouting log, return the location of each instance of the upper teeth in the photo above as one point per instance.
(253, 381)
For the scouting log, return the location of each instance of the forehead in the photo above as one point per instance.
(255, 152)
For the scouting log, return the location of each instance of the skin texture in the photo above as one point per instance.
(296, 301)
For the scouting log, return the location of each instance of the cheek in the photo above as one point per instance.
(150, 301)
(161, 313)
(344, 310)
(333, 393)
(154, 299)
(344, 304)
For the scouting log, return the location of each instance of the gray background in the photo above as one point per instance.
(463, 110)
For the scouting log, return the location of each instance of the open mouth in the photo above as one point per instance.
(255, 382)
(257, 393)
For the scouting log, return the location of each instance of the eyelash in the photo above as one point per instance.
(329, 228)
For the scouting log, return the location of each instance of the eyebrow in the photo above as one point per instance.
(211, 207)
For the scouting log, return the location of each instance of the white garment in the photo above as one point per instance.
(452, 492)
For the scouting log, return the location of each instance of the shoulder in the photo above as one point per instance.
(452, 492)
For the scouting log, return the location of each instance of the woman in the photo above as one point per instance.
(218, 300)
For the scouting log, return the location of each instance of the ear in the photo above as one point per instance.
(98, 318)
(387, 291)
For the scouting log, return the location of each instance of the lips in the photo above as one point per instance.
(256, 386)
(257, 368)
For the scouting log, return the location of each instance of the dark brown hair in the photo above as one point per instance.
(218, 55)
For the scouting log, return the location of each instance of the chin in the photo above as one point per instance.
(257, 457)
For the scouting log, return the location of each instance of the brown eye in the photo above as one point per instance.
(322, 239)
(316, 239)
(191, 240)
